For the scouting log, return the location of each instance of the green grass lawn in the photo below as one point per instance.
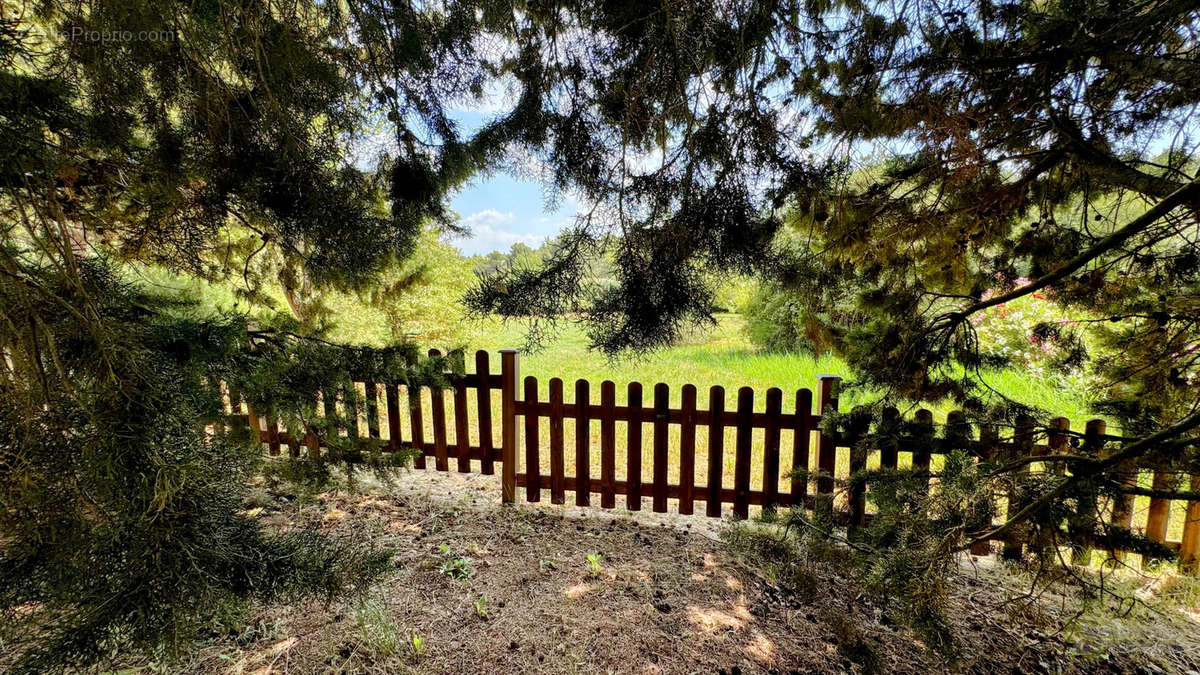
(724, 356)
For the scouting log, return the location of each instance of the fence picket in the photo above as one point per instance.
(557, 467)
(1085, 516)
(741, 460)
(509, 370)
(462, 429)
(800, 446)
(1189, 545)
(484, 416)
(608, 440)
(921, 453)
(583, 443)
(533, 462)
(687, 448)
(371, 394)
(633, 449)
(1160, 509)
(889, 451)
(988, 437)
(771, 450)
(391, 402)
(827, 446)
(662, 409)
(716, 447)
(417, 424)
(437, 410)
(1022, 446)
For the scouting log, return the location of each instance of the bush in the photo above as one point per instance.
(122, 487)
(1035, 335)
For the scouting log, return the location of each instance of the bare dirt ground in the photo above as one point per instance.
(665, 596)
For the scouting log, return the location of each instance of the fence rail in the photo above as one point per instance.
(538, 455)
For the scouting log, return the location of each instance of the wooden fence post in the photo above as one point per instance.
(509, 365)
(827, 445)
(1189, 546)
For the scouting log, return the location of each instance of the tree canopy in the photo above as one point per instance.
(934, 157)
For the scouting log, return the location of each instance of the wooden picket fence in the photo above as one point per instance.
(673, 452)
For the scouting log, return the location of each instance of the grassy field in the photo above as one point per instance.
(724, 356)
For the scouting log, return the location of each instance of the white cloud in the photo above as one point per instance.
(491, 231)
(490, 218)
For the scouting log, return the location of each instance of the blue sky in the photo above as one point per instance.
(500, 209)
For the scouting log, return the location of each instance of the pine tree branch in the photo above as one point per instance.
(1187, 193)
(1129, 452)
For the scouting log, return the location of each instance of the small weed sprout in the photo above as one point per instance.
(594, 560)
(481, 607)
(546, 565)
(456, 567)
(416, 645)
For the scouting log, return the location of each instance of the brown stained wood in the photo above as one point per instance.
(857, 492)
(1189, 545)
(687, 449)
(273, 435)
(1057, 438)
(509, 372)
(583, 444)
(662, 406)
(557, 465)
(988, 438)
(716, 448)
(633, 448)
(921, 454)
(771, 449)
(1158, 513)
(350, 400)
(437, 411)
(417, 423)
(801, 440)
(391, 402)
(725, 496)
(1022, 446)
(889, 449)
(462, 428)
(741, 460)
(1084, 519)
(608, 440)
(827, 445)
(484, 401)
(372, 398)
(533, 462)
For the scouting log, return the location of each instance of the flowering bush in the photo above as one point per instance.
(1034, 334)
